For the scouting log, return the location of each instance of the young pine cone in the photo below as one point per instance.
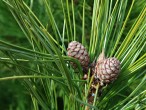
(78, 51)
(107, 69)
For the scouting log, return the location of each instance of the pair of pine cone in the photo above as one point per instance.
(106, 70)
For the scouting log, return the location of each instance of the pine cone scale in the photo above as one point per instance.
(81, 51)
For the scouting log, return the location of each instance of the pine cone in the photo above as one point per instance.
(107, 70)
(78, 51)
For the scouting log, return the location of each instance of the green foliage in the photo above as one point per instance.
(8, 27)
(116, 26)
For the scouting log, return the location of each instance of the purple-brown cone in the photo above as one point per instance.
(107, 70)
(78, 51)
